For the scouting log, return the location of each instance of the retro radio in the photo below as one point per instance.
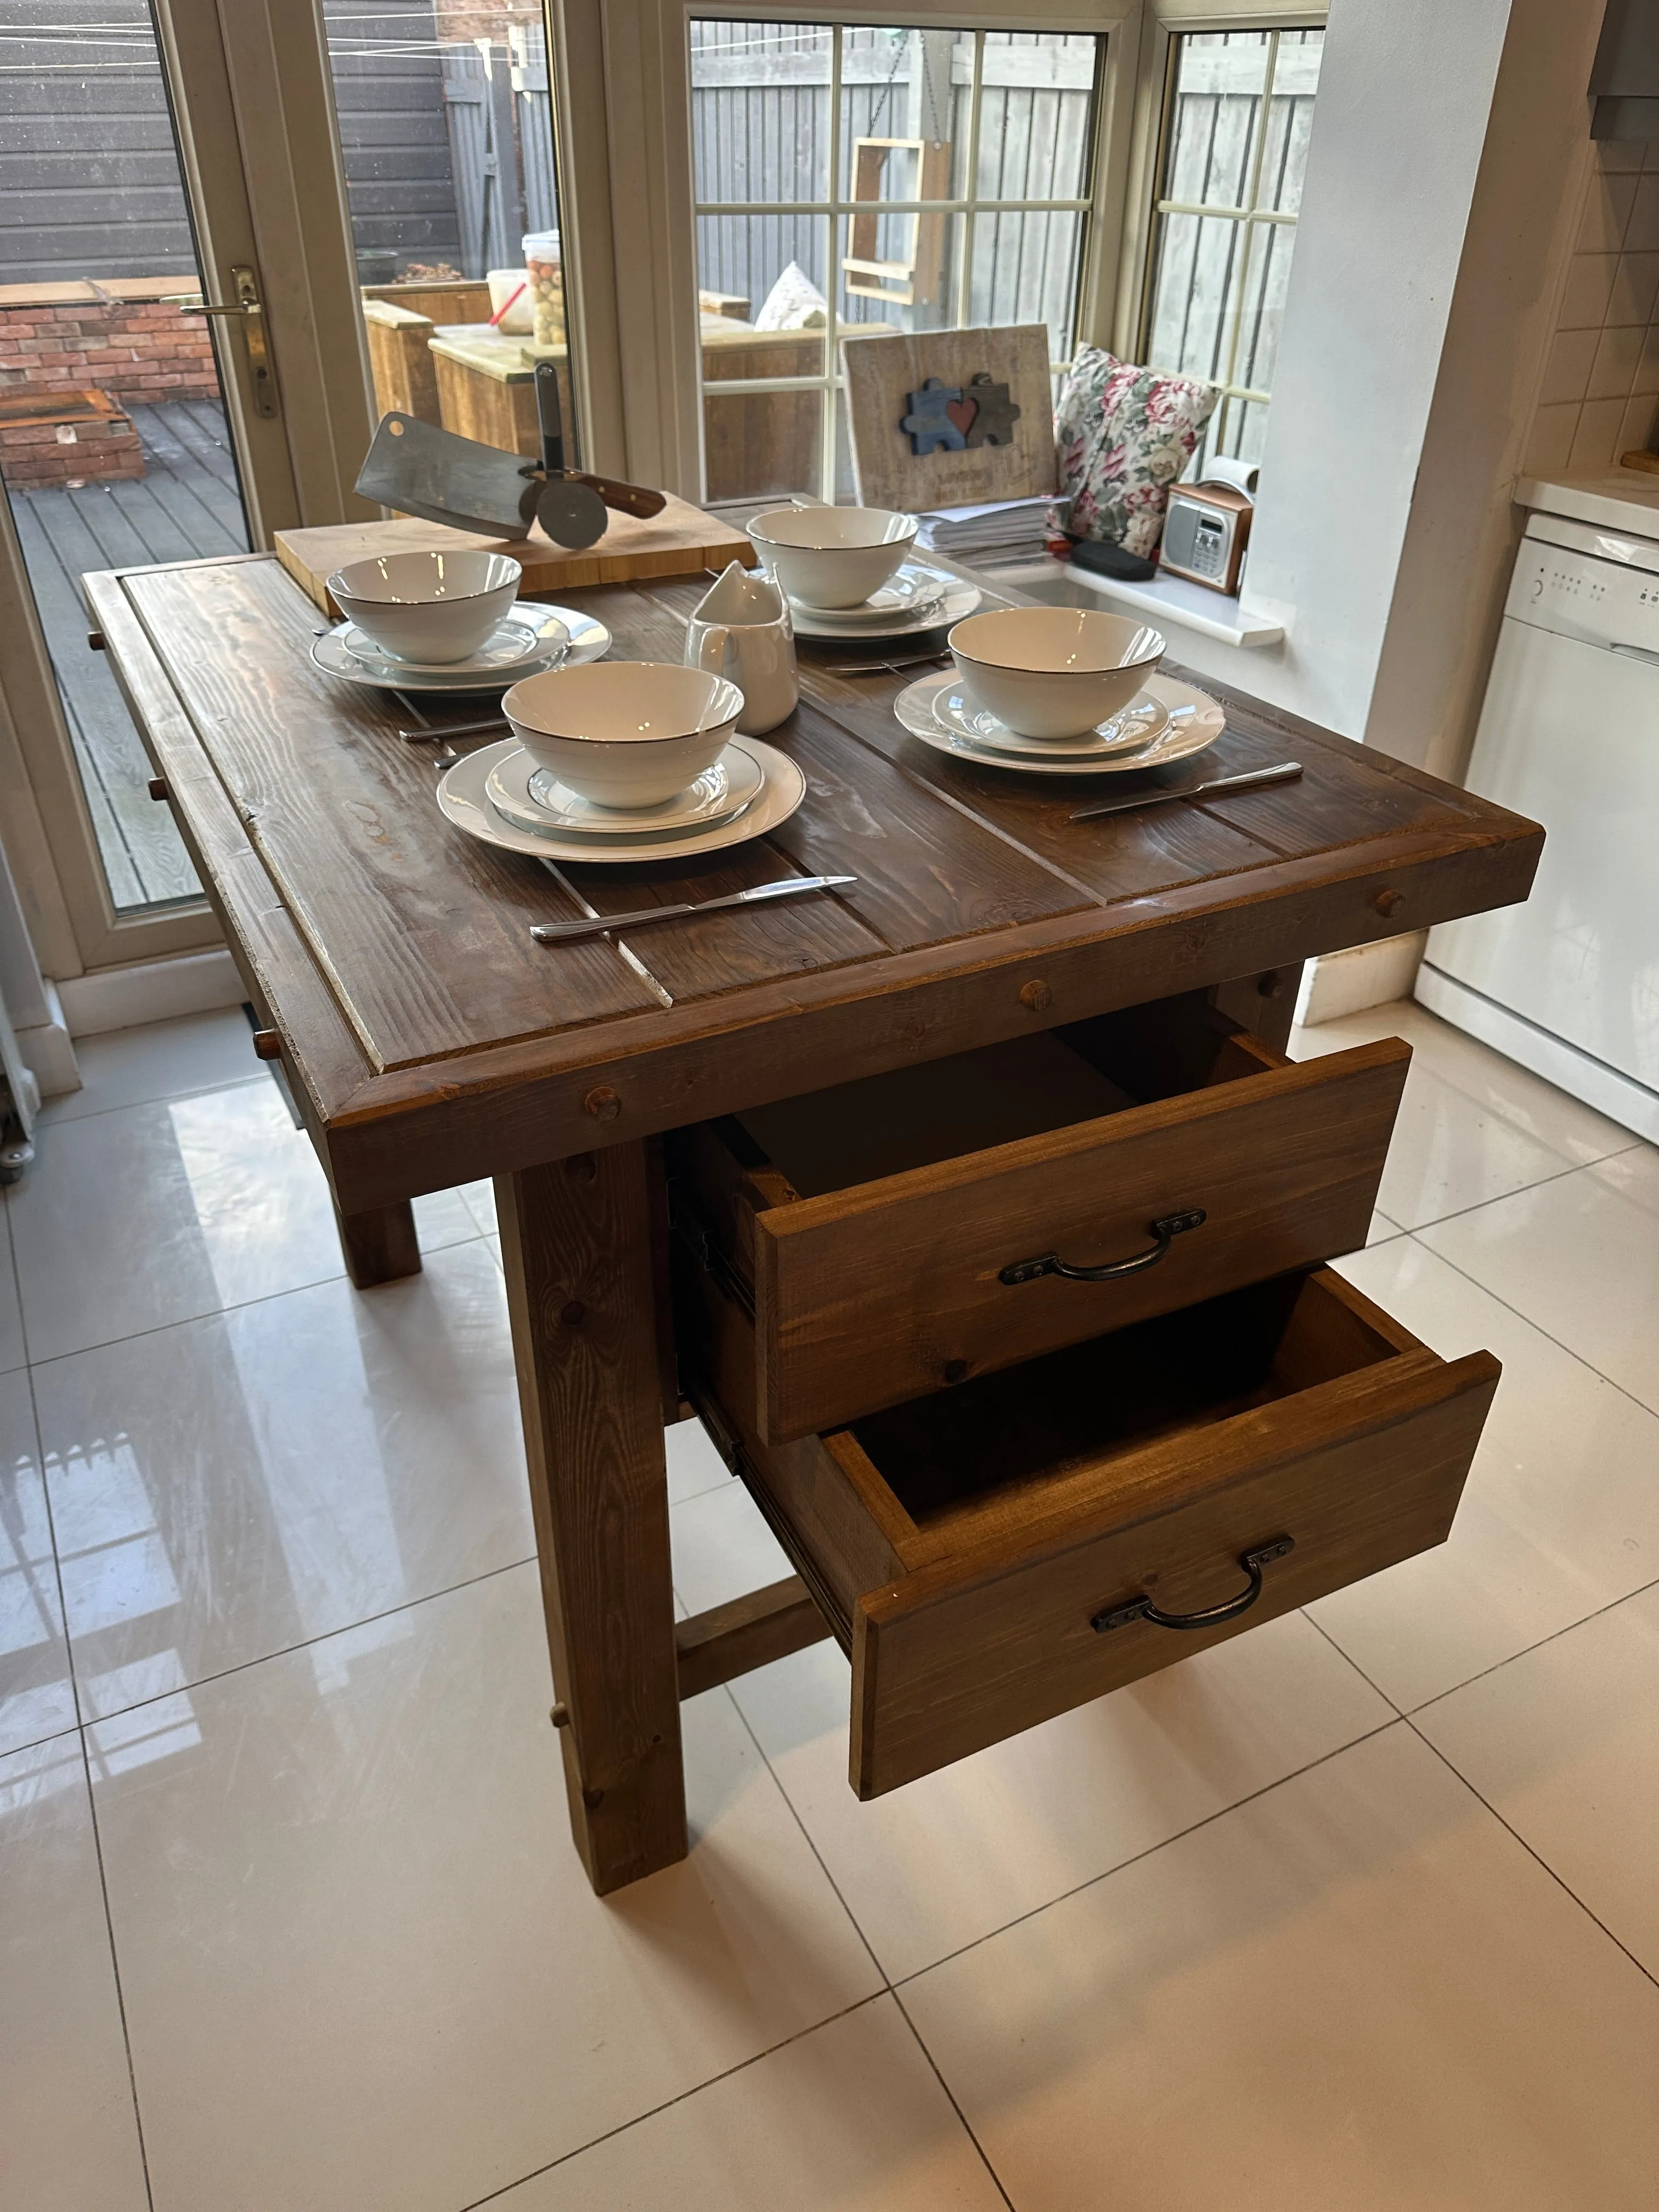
(1207, 527)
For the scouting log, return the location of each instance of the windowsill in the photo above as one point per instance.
(1192, 605)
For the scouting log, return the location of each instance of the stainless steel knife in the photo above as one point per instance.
(562, 933)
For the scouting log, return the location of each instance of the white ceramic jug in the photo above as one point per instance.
(741, 630)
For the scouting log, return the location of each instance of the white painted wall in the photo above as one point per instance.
(1442, 148)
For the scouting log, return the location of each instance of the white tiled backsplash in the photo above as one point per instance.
(1600, 393)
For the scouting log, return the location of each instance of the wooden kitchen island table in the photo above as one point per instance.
(428, 1041)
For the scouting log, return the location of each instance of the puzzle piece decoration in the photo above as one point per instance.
(994, 420)
(930, 426)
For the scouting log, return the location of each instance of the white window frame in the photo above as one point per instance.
(836, 207)
(630, 195)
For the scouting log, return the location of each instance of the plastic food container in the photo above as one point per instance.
(541, 259)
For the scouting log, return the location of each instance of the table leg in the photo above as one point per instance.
(380, 1245)
(1263, 1004)
(576, 1242)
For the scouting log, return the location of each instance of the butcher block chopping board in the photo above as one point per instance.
(679, 541)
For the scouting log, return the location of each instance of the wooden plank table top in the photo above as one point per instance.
(436, 1041)
(429, 1040)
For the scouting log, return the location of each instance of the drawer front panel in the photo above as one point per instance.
(962, 1654)
(887, 1291)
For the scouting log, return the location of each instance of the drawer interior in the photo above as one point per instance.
(917, 1117)
(948, 1460)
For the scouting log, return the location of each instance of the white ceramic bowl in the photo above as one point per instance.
(624, 733)
(832, 556)
(1053, 672)
(426, 607)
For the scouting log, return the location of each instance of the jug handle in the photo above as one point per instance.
(711, 649)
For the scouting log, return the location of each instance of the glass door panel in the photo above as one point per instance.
(444, 110)
(113, 444)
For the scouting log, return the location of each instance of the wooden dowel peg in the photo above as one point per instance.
(267, 1044)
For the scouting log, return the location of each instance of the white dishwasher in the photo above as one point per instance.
(1568, 984)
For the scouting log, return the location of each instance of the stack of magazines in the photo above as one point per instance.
(991, 536)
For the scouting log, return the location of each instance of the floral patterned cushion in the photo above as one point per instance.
(1124, 435)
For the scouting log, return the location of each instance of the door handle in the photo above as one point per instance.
(1639, 653)
(247, 309)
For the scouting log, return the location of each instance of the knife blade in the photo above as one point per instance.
(1252, 780)
(562, 933)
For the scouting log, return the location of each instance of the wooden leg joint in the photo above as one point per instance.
(748, 1633)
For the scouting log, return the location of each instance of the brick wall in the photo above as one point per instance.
(133, 349)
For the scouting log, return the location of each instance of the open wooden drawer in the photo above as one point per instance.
(906, 1232)
(994, 1555)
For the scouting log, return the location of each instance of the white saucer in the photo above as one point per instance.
(523, 633)
(463, 797)
(1136, 725)
(1195, 722)
(908, 591)
(515, 786)
(959, 599)
(589, 639)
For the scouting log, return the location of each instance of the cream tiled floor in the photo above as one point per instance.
(1356, 1911)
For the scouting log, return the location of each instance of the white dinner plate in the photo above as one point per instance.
(1136, 725)
(525, 632)
(589, 639)
(463, 796)
(533, 799)
(1195, 722)
(959, 599)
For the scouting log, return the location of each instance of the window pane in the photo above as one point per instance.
(1198, 266)
(907, 85)
(446, 119)
(1025, 269)
(1220, 76)
(1290, 118)
(760, 110)
(1261, 304)
(740, 259)
(761, 442)
(912, 284)
(114, 447)
(1034, 115)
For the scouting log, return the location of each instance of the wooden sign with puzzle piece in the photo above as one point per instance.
(949, 418)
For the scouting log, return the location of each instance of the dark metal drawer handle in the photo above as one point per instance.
(1142, 1608)
(1166, 1230)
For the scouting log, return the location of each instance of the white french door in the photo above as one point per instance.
(194, 145)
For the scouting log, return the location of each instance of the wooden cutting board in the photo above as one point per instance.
(679, 541)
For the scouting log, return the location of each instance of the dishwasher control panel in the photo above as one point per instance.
(1609, 596)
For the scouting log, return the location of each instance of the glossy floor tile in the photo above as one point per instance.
(850, 2118)
(1563, 1743)
(162, 1060)
(155, 1213)
(1472, 1126)
(1560, 1515)
(14, 1352)
(226, 1488)
(37, 1696)
(1236, 1935)
(69, 2135)
(368, 1838)
(941, 1862)
(1359, 1991)
(1580, 1257)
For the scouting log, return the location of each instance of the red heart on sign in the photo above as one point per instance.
(962, 413)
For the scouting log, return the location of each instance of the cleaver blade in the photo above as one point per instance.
(421, 470)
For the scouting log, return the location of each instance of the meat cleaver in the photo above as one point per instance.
(419, 468)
